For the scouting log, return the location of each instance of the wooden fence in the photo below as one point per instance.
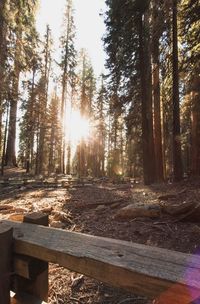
(26, 249)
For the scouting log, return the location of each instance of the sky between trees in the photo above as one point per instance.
(89, 23)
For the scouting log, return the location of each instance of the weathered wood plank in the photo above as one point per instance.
(6, 232)
(37, 282)
(137, 268)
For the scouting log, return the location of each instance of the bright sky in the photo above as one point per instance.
(89, 26)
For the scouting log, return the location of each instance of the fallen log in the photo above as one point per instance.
(131, 212)
(191, 216)
(187, 211)
(167, 196)
(176, 209)
(96, 204)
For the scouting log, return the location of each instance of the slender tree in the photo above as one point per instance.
(4, 142)
(68, 63)
(146, 97)
(43, 100)
(28, 125)
(14, 97)
(100, 142)
(3, 33)
(54, 133)
(157, 30)
(177, 161)
(86, 94)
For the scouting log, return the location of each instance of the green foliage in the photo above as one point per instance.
(190, 34)
(122, 46)
(68, 52)
(86, 84)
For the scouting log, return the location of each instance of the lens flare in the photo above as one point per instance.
(78, 127)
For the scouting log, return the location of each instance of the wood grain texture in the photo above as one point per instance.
(34, 280)
(28, 267)
(141, 269)
(6, 232)
(38, 286)
(37, 218)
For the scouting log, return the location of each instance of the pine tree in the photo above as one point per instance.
(22, 29)
(190, 36)
(68, 63)
(54, 134)
(43, 102)
(100, 142)
(129, 59)
(29, 123)
(86, 94)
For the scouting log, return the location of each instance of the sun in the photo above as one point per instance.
(78, 128)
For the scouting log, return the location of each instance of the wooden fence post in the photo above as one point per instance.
(6, 233)
(37, 286)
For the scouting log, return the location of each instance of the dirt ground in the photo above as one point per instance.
(91, 209)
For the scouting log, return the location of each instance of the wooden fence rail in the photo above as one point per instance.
(164, 275)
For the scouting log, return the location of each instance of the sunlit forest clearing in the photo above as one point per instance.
(144, 107)
(100, 134)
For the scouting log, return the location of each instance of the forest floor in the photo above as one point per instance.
(91, 209)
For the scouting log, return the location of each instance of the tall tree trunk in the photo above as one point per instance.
(43, 101)
(83, 109)
(115, 161)
(51, 152)
(11, 150)
(102, 154)
(195, 159)
(63, 108)
(109, 145)
(1, 115)
(4, 142)
(146, 96)
(2, 63)
(29, 150)
(69, 157)
(121, 150)
(64, 88)
(156, 96)
(177, 162)
(11, 142)
(164, 134)
(69, 144)
(195, 126)
(37, 156)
